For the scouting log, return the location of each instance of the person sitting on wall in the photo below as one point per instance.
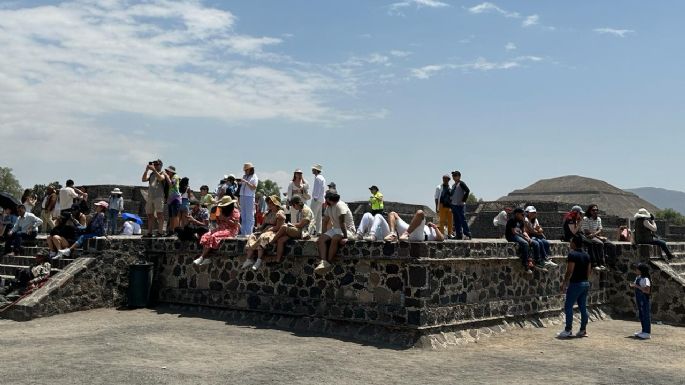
(645, 233)
(228, 226)
(415, 231)
(339, 221)
(376, 200)
(500, 221)
(299, 228)
(373, 227)
(274, 219)
(25, 228)
(96, 228)
(572, 222)
(29, 277)
(591, 226)
(624, 234)
(537, 234)
(195, 223)
(515, 232)
(8, 221)
(66, 230)
(131, 227)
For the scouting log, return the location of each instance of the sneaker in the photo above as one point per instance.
(370, 238)
(257, 265)
(598, 268)
(64, 253)
(529, 272)
(52, 254)
(201, 261)
(540, 266)
(637, 334)
(549, 263)
(581, 333)
(248, 263)
(643, 336)
(391, 237)
(404, 236)
(322, 267)
(565, 334)
(466, 238)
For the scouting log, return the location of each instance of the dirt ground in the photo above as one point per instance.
(159, 347)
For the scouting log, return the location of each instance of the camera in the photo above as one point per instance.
(150, 163)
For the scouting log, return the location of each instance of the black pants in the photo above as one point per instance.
(191, 233)
(602, 253)
(15, 240)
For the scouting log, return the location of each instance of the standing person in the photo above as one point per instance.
(645, 232)
(154, 207)
(48, 206)
(459, 194)
(26, 227)
(591, 226)
(96, 228)
(228, 226)
(67, 195)
(248, 188)
(29, 199)
(443, 206)
(643, 289)
(576, 285)
(317, 197)
(115, 209)
(298, 186)
(515, 232)
(376, 201)
(174, 199)
(341, 221)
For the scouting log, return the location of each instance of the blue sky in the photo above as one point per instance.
(392, 93)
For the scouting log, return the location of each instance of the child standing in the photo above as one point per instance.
(116, 207)
(643, 289)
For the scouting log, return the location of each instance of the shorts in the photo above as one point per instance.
(293, 232)
(185, 205)
(351, 234)
(154, 206)
(174, 209)
(417, 235)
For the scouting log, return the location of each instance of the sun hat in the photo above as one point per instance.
(170, 169)
(642, 213)
(116, 190)
(317, 167)
(275, 200)
(577, 209)
(225, 200)
(297, 171)
(531, 209)
(102, 204)
(247, 166)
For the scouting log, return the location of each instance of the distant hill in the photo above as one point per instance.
(663, 198)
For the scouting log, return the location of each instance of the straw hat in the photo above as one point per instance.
(317, 167)
(247, 166)
(170, 169)
(275, 200)
(642, 213)
(225, 200)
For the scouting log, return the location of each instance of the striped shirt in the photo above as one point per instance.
(591, 225)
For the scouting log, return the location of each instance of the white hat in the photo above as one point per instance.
(247, 166)
(317, 167)
(531, 209)
(116, 191)
(642, 213)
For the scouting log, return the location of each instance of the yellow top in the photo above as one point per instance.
(376, 201)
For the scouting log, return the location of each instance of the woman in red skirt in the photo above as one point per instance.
(228, 226)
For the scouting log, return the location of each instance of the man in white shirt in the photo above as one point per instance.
(26, 227)
(67, 195)
(316, 203)
(339, 221)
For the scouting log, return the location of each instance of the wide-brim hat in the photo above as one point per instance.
(297, 171)
(642, 213)
(171, 169)
(531, 209)
(116, 191)
(317, 167)
(102, 204)
(275, 200)
(225, 200)
(247, 166)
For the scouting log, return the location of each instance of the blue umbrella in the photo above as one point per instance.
(127, 216)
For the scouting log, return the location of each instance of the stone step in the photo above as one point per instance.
(29, 260)
(11, 269)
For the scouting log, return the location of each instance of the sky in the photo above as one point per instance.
(391, 93)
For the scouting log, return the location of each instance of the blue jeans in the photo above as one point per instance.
(85, 237)
(544, 245)
(112, 216)
(662, 244)
(643, 310)
(576, 293)
(460, 224)
(525, 249)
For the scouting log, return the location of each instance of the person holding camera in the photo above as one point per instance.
(248, 187)
(68, 194)
(154, 208)
(645, 232)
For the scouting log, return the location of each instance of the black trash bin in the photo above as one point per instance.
(139, 284)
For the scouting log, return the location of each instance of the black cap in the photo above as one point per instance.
(374, 187)
(332, 184)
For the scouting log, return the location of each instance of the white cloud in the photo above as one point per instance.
(398, 53)
(490, 7)
(396, 8)
(510, 46)
(530, 21)
(480, 64)
(614, 32)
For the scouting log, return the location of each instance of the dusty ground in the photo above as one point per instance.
(149, 347)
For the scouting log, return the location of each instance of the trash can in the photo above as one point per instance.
(139, 284)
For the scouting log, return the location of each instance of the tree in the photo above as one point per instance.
(9, 183)
(472, 199)
(268, 187)
(671, 216)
